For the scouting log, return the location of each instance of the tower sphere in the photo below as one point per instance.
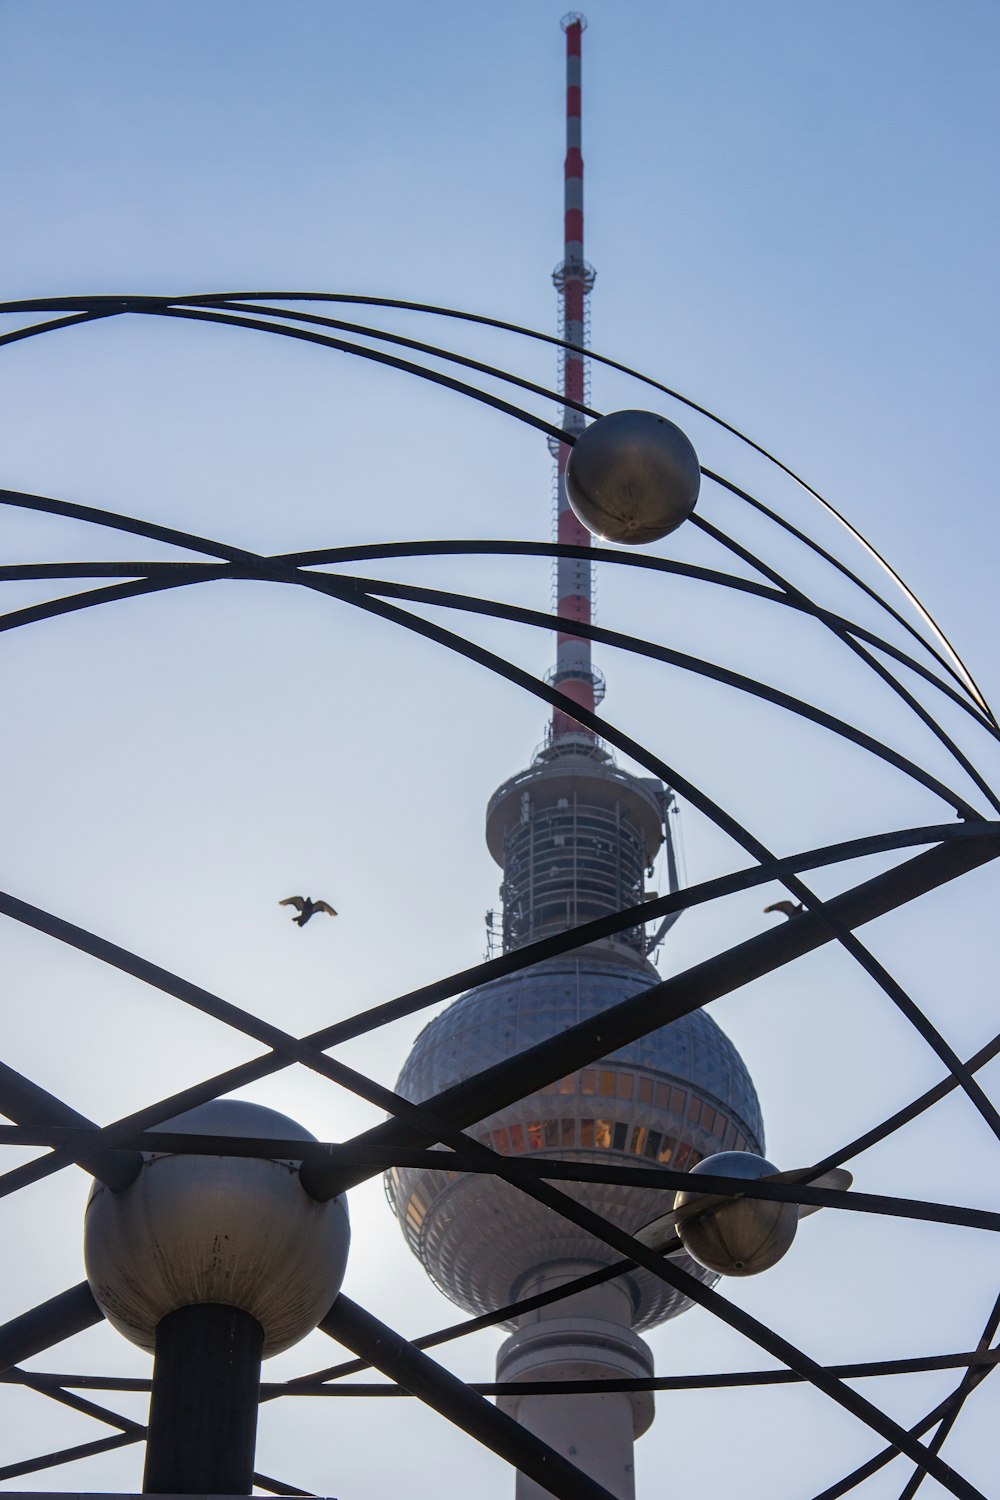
(742, 1236)
(671, 1097)
(240, 1231)
(632, 477)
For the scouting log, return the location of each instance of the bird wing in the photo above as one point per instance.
(295, 901)
(785, 907)
(324, 906)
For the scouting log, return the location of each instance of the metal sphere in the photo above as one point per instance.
(240, 1231)
(632, 477)
(740, 1236)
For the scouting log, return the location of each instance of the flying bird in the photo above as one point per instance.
(787, 908)
(306, 908)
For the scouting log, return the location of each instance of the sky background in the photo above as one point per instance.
(792, 213)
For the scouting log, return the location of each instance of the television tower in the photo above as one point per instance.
(576, 837)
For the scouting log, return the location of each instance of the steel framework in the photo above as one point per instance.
(931, 855)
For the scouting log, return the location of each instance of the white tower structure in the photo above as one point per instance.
(576, 838)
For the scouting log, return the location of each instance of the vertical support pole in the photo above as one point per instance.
(203, 1408)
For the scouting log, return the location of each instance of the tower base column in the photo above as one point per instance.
(587, 1337)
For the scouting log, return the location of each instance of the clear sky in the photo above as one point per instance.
(792, 212)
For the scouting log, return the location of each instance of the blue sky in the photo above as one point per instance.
(792, 211)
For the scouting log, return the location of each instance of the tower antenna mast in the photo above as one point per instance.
(573, 673)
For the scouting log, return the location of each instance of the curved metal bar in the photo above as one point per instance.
(52, 327)
(649, 561)
(960, 1395)
(32, 614)
(910, 1111)
(94, 516)
(663, 1179)
(965, 676)
(67, 1455)
(859, 650)
(378, 356)
(149, 569)
(76, 1403)
(314, 1385)
(685, 662)
(737, 1380)
(937, 1414)
(434, 350)
(119, 305)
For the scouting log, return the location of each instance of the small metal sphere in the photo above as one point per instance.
(738, 1236)
(632, 477)
(236, 1230)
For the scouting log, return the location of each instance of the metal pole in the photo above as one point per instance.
(203, 1408)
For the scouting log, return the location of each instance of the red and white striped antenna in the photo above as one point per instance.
(573, 673)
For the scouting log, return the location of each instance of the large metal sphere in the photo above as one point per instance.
(741, 1236)
(632, 477)
(241, 1231)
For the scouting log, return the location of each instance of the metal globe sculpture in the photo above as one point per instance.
(925, 848)
(234, 1230)
(741, 1236)
(632, 477)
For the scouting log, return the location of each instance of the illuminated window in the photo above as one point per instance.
(667, 1149)
(645, 1091)
(568, 1085)
(662, 1096)
(535, 1135)
(619, 1139)
(416, 1211)
(607, 1083)
(683, 1157)
(626, 1082)
(551, 1132)
(602, 1134)
(516, 1138)
(568, 1130)
(588, 1081)
(638, 1139)
(500, 1142)
(586, 1132)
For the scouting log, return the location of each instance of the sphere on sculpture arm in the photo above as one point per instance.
(236, 1230)
(632, 477)
(737, 1236)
